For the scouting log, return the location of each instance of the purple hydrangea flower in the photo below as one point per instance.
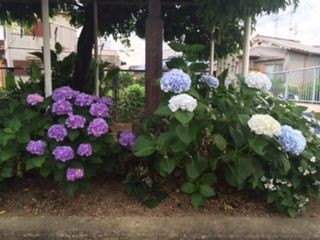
(127, 139)
(211, 81)
(74, 174)
(75, 121)
(99, 110)
(98, 127)
(37, 147)
(63, 93)
(34, 99)
(106, 100)
(57, 132)
(85, 150)
(62, 107)
(63, 153)
(175, 81)
(84, 100)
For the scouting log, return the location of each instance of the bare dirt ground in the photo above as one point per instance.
(34, 196)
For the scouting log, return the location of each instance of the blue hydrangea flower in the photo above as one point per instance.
(211, 81)
(175, 81)
(292, 140)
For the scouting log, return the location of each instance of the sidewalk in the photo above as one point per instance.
(156, 228)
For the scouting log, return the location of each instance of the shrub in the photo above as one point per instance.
(132, 102)
(237, 135)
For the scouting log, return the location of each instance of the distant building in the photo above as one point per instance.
(271, 54)
(20, 41)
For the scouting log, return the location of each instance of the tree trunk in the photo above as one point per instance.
(84, 51)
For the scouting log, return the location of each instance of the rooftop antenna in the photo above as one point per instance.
(291, 28)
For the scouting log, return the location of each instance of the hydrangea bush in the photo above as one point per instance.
(77, 142)
(205, 133)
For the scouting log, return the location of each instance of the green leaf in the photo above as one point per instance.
(197, 200)
(188, 187)
(206, 190)
(237, 173)
(177, 62)
(198, 67)
(237, 136)
(38, 161)
(244, 118)
(184, 117)
(208, 178)
(73, 134)
(15, 124)
(258, 144)
(193, 92)
(23, 137)
(164, 139)
(193, 170)
(143, 147)
(176, 46)
(292, 212)
(220, 141)
(6, 172)
(163, 111)
(167, 165)
(187, 134)
(7, 153)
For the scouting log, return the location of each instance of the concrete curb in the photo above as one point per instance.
(154, 228)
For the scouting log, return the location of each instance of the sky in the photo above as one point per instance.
(303, 24)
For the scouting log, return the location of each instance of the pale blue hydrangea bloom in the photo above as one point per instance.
(211, 81)
(175, 81)
(292, 140)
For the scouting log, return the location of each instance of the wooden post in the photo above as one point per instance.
(154, 39)
(46, 48)
(95, 31)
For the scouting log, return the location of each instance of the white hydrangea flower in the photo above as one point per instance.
(313, 159)
(263, 124)
(183, 102)
(258, 80)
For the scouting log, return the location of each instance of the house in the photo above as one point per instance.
(20, 41)
(273, 54)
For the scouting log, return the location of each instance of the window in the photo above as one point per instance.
(275, 67)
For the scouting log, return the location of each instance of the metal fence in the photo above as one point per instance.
(300, 85)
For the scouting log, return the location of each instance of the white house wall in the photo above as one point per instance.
(18, 47)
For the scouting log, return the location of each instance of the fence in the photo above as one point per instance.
(300, 85)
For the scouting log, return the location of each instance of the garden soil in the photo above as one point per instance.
(33, 196)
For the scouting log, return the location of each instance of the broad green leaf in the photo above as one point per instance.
(193, 92)
(184, 117)
(206, 190)
(188, 187)
(163, 111)
(73, 134)
(6, 172)
(208, 178)
(237, 173)
(237, 136)
(143, 147)
(258, 144)
(197, 200)
(244, 118)
(7, 153)
(187, 134)
(220, 141)
(164, 139)
(198, 67)
(167, 165)
(193, 170)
